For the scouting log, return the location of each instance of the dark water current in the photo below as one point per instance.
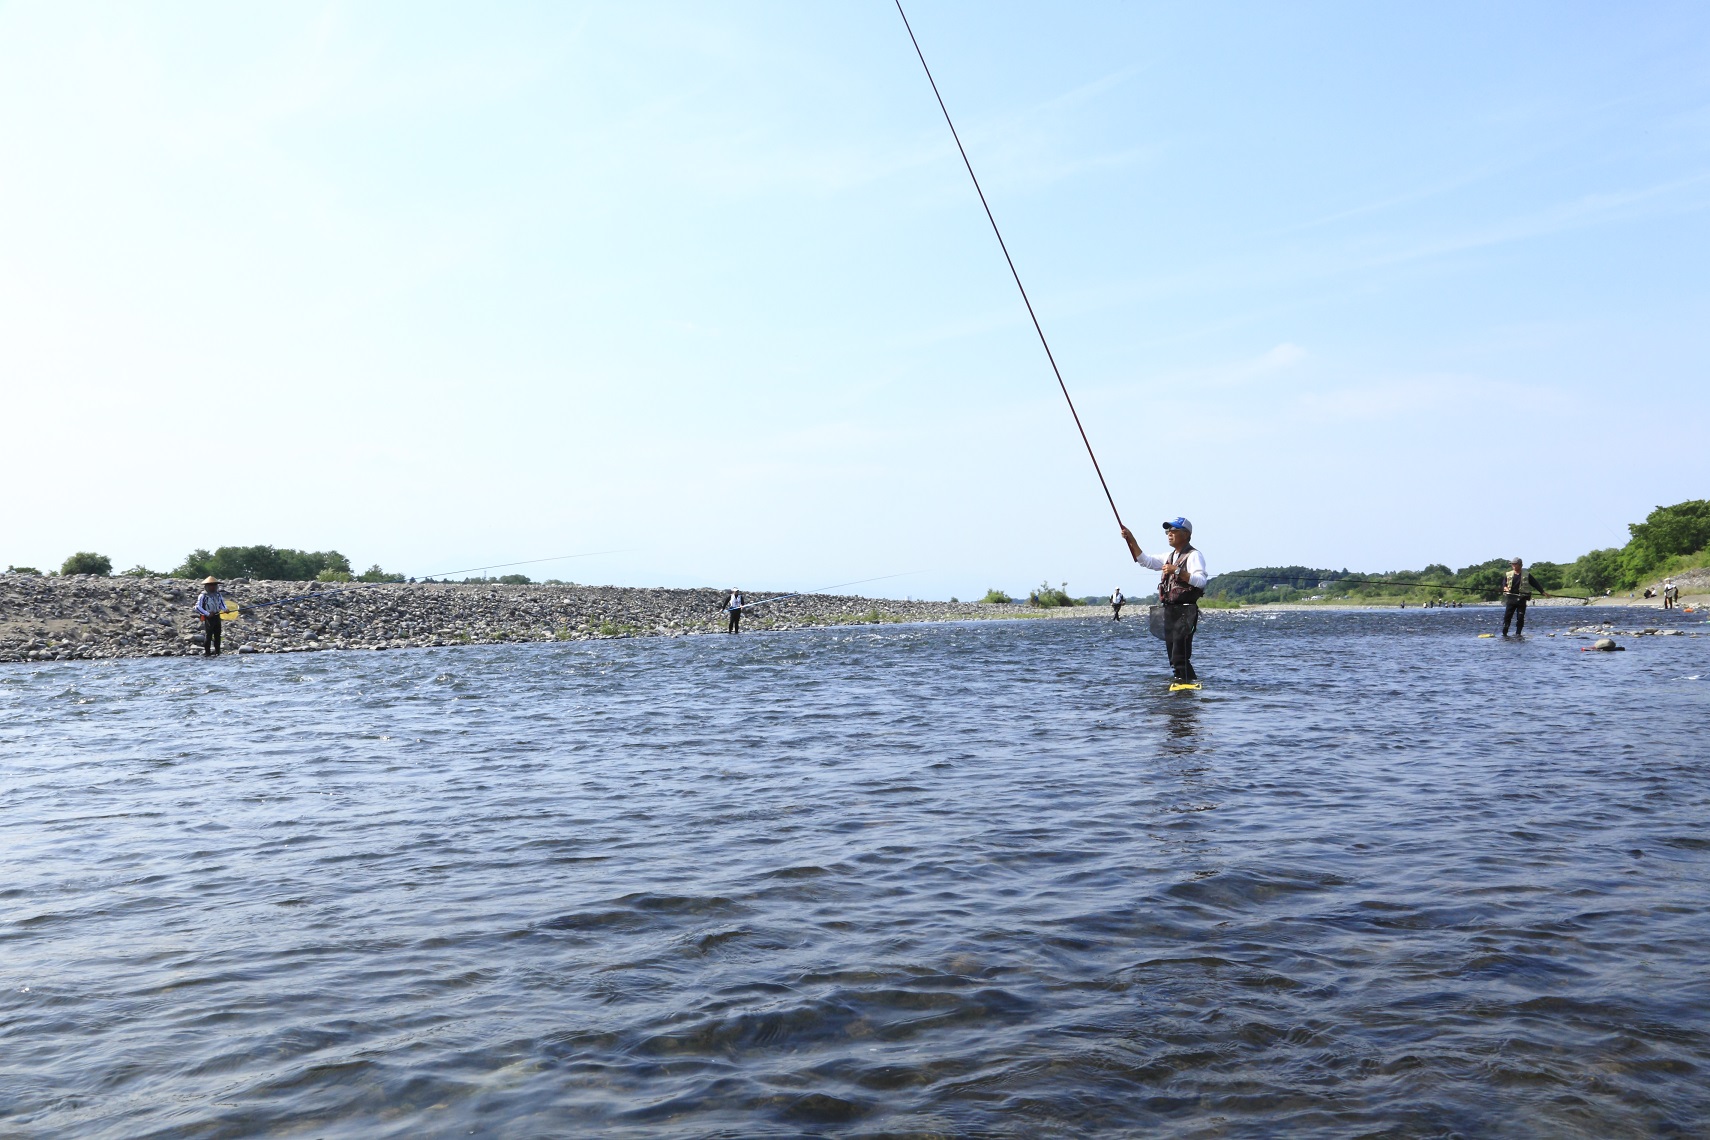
(1380, 878)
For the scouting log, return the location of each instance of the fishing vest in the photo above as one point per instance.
(1514, 585)
(1170, 590)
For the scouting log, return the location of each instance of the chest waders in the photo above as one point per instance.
(1176, 616)
(1514, 597)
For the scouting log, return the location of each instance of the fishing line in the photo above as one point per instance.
(525, 562)
(823, 589)
(1011, 261)
(318, 595)
(321, 595)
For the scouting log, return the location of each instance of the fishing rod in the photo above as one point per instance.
(1381, 582)
(823, 589)
(1025, 300)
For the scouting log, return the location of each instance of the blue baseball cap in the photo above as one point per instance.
(1179, 523)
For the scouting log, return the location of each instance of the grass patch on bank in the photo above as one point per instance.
(1679, 564)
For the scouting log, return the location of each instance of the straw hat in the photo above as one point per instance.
(210, 580)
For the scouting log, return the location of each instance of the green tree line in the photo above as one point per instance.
(262, 563)
(1670, 539)
(266, 563)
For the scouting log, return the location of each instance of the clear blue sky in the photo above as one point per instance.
(440, 285)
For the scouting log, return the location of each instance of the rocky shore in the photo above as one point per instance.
(82, 617)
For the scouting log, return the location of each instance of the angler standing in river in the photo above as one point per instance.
(1517, 587)
(734, 608)
(209, 603)
(1116, 603)
(1180, 587)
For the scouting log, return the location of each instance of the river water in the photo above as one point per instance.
(1380, 877)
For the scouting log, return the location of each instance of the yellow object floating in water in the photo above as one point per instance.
(230, 612)
(1176, 688)
(1487, 635)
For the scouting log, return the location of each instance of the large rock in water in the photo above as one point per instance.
(1607, 644)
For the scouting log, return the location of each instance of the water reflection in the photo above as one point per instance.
(1182, 729)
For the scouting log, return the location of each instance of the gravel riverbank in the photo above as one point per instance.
(84, 617)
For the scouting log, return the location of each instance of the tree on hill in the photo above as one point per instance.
(1681, 529)
(1597, 570)
(88, 562)
(1550, 575)
(1484, 577)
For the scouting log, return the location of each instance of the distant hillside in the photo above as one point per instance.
(1670, 540)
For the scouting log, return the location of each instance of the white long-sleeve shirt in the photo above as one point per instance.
(1194, 560)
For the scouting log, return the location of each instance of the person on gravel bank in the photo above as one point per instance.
(1179, 590)
(209, 603)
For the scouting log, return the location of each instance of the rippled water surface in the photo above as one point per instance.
(1381, 877)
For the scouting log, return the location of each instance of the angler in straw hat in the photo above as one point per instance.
(209, 603)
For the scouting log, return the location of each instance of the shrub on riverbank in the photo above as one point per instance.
(1047, 596)
(996, 597)
(88, 562)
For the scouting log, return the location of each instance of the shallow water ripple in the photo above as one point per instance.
(1379, 878)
